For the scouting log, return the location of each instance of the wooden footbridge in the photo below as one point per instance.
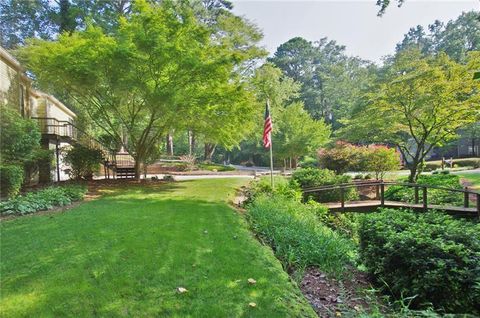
(470, 207)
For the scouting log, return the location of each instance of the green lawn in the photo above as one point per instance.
(471, 177)
(126, 253)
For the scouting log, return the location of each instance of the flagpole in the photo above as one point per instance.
(271, 148)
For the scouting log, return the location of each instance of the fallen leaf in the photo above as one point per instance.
(253, 305)
(182, 290)
(252, 281)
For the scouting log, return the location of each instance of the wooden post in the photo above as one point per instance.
(382, 194)
(416, 194)
(424, 199)
(478, 205)
(466, 199)
(342, 198)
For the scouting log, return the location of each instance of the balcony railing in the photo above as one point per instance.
(66, 129)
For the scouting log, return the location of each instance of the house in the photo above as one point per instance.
(56, 121)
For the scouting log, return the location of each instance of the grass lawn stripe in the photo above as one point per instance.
(127, 252)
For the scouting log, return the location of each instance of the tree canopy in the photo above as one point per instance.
(418, 104)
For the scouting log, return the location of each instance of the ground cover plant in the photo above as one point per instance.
(435, 196)
(297, 237)
(429, 258)
(43, 199)
(127, 253)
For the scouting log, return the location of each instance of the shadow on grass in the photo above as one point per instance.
(127, 252)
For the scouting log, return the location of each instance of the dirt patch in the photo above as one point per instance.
(330, 297)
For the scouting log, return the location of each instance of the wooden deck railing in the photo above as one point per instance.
(380, 190)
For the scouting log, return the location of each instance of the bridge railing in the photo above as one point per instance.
(380, 190)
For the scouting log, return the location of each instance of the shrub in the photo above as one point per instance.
(296, 236)
(43, 199)
(20, 137)
(308, 162)
(431, 256)
(11, 179)
(434, 196)
(342, 158)
(358, 177)
(283, 188)
(469, 162)
(83, 161)
(433, 165)
(311, 177)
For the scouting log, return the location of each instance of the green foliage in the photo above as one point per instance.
(311, 177)
(297, 237)
(83, 161)
(308, 162)
(431, 257)
(330, 80)
(296, 134)
(342, 158)
(434, 196)
(419, 103)
(11, 180)
(283, 187)
(380, 159)
(20, 137)
(456, 38)
(162, 69)
(44, 199)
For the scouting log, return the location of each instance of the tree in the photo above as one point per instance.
(419, 104)
(44, 19)
(380, 159)
(383, 4)
(456, 38)
(329, 79)
(146, 78)
(296, 134)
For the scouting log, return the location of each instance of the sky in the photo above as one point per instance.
(352, 23)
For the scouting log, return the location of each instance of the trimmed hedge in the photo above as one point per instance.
(434, 196)
(431, 256)
(311, 177)
(44, 199)
(297, 237)
(11, 180)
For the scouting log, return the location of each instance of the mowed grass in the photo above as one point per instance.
(125, 254)
(474, 178)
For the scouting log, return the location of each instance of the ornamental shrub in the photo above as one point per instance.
(83, 161)
(311, 177)
(380, 159)
(297, 237)
(44, 199)
(11, 179)
(429, 256)
(342, 158)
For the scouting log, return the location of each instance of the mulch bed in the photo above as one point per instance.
(330, 297)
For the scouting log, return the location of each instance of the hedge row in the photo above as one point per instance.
(430, 256)
(44, 199)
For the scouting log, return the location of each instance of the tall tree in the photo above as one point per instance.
(419, 104)
(329, 79)
(144, 79)
(456, 38)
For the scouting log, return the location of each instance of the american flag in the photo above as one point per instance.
(267, 129)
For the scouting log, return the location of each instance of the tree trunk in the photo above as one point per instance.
(209, 151)
(191, 142)
(170, 145)
(138, 171)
